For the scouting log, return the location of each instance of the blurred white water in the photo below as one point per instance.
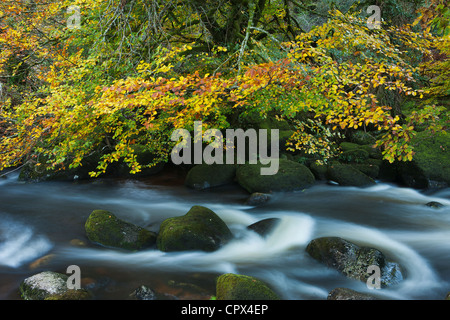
(392, 219)
(20, 244)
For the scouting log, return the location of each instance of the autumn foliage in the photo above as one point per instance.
(105, 88)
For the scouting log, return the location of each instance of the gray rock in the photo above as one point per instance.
(348, 294)
(49, 285)
(353, 261)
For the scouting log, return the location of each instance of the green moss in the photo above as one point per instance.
(432, 156)
(205, 176)
(241, 287)
(199, 229)
(290, 176)
(105, 228)
(347, 175)
(79, 294)
(370, 170)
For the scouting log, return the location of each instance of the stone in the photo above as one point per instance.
(264, 227)
(353, 261)
(105, 228)
(257, 198)
(49, 285)
(347, 175)
(241, 287)
(348, 294)
(204, 176)
(291, 176)
(199, 229)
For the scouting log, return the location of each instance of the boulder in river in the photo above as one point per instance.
(348, 294)
(291, 176)
(199, 229)
(105, 228)
(347, 175)
(430, 167)
(434, 204)
(354, 261)
(241, 287)
(204, 176)
(265, 226)
(258, 198)
(49, 285)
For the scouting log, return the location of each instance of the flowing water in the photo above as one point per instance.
(43, 219)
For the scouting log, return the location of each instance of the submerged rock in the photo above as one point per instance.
(49, 285)
(264, 227)
(257, 198)
(241, 287)
(353, 261)
(204, 176)
(144, 293)
(290, 176)
(434, 204)
(105, 228)
(199, 229)
(348, 294)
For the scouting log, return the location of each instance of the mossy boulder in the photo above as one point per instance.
(353, 152)
(347, 175)
(348, 294)
(290, 176)
(49, 285)
(368, 169)
(199, 229)
(105, 228)
(431, 162)
(204, 176)
(241, 287)
(319, 170)
(353, 261)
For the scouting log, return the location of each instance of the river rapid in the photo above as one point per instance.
(46, 219)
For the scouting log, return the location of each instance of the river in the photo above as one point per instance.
(40, 219)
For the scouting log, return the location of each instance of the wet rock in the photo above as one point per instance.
(199, 229)
(264, 227)
(348, 294)
(42, 261)
(434, 204)
(319, 170)
(290, 176)
(370, 170)
(430, 167)
(241, 287)
(144, 293)
(77, 243)
(49, 285)
(257, 198)
(204, 176)
(353, 261)
(347, 175)
(105, 228)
